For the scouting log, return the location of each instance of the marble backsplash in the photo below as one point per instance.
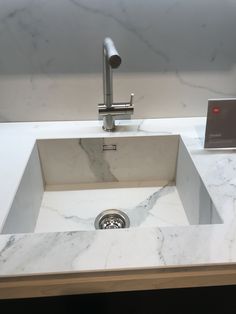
(175, 55)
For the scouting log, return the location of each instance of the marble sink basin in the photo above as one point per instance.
(68, 182)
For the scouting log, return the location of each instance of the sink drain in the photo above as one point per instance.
(112, 219)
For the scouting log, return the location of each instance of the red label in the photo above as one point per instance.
(216, 110)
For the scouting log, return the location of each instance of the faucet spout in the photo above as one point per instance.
(111, 60)
(109, 110)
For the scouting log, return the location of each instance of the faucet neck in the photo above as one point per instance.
(109, 110)
(111, 60)
(107, 80)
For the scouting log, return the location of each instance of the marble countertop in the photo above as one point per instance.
(79, 251)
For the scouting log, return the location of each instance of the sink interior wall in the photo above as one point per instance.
(24, 211)
(98, 163)
(196, 200)
(74, 163)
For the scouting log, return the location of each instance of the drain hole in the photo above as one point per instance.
(112, 219)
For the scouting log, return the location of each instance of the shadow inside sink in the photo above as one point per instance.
(68, 182)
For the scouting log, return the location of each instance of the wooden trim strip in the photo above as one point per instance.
(114, 281)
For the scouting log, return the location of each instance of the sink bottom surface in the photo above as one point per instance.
(76, 210)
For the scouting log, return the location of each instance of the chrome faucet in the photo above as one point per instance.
(109, 110)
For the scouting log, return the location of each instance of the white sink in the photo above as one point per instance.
(68, 182)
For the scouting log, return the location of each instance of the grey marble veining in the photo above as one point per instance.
(131, 248)
(140, 213)
(152, 28)
(97, 163)
(77, 210)
(176, 55)
(44, 245)
(82, 161)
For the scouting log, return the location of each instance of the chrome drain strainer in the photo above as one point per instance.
(112, 219)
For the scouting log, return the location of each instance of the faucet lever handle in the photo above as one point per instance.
(131, 99)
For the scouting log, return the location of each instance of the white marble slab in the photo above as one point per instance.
(24, 211)
(175, 55)
(129, 248)
(77, 210)
(15, 150)
(87, 160)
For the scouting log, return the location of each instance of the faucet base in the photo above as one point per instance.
(108, 123)
(120, 110)
(109, 130)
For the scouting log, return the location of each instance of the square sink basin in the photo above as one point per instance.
(107, 183)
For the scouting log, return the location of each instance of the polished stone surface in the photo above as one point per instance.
(77, 210)
(127, 248)
(175, 55)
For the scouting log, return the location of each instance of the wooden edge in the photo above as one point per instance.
(114, 281)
